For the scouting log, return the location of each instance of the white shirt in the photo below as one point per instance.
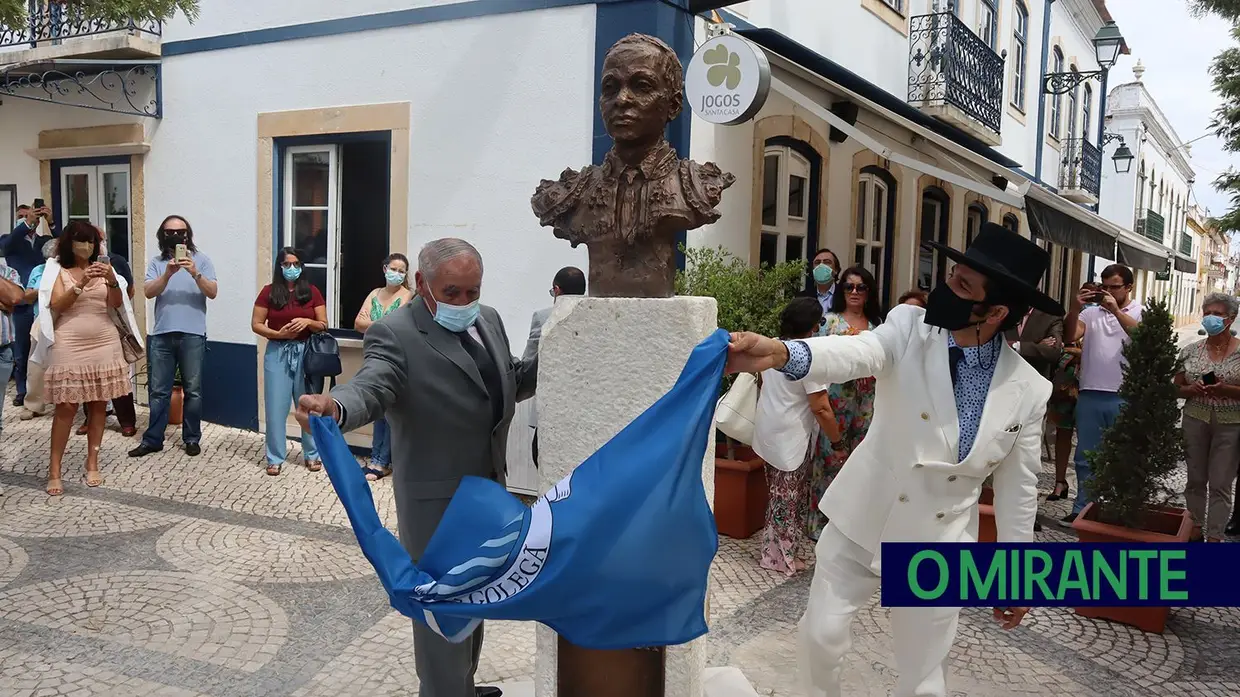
(784, 426)
(1102, 359)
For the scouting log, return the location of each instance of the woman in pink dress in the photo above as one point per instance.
(85, 364)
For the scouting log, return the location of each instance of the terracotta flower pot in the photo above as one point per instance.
(1159, 525)
(740, 492)
(176, 406)
(986, 516)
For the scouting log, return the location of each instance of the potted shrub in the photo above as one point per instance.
(176, 405)
(1128, 494)
(750, 299)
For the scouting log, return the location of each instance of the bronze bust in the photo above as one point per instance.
(628, 210)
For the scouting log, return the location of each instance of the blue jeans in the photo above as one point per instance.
(23, 320)
(1095, 413)
(164, 354)
(6, 369)
(381, 443)
(283, 385)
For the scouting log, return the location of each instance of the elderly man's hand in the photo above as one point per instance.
(316, 404)
(754, 353)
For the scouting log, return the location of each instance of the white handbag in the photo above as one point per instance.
(738, 409)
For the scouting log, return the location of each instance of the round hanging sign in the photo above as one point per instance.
(728, 80)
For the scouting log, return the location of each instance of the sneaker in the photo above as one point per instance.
(1037, 526)
(143, 450)
(1067, 520)
(192, 449)
(19, 400)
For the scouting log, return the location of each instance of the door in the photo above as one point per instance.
(8, 208)
(311, 216)
(99, 195)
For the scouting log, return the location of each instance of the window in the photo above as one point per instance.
(322, 178)
(897, 5)
(99, 195)
(1073, 98)
(873, 224)
(1141, 188)
(1011, 222)
(1057, 99)
(785, 206)
(1020, 49)
(932, 264)
(1087, 112)
(988, 23)
(973, 225)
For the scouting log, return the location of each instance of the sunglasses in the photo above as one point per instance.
(855, 287)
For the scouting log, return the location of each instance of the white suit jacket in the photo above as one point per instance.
(904, 482)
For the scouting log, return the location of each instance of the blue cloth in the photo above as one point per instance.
(36, 276)
(972, 383)
(615, 556)
(182, 307)
(283, 385)
(164, 354)
(1096, 412)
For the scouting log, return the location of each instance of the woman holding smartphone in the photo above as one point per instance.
(1210, 386)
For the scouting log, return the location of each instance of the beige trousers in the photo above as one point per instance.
(34, 378)
(843, 584)
(1211, 451)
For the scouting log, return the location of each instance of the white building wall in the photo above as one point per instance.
(1074, 23)
(218, 17)
(486, 124)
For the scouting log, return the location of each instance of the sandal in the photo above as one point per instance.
(54, 487)
(273, 470)
(1056, 494)
(314, 465)
(94, 481)
(374, 473)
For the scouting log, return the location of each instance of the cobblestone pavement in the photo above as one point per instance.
(204, 577)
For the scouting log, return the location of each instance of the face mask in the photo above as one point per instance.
(83, 250)
(394, 278)
(455, 318)
(822, 274)
(949, 311)
(291, 273)
(1213, 325)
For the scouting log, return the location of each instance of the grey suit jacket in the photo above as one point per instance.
(1039, 326)
(417, 375)
(531, 348)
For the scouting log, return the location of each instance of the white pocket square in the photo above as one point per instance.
(1014, 428)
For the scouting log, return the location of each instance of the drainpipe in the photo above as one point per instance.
(1046, 50)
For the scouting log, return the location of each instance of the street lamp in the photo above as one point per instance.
(1107, 44)
(1123, 156)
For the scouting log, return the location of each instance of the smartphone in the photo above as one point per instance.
(38, 203)
(181, 252)
(1209, 378)
(1097, 297)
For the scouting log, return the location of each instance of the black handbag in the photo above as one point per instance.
(321, 361)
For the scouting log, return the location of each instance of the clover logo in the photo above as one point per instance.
(724, 67)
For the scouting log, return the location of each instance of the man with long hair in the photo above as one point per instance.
(180, 279)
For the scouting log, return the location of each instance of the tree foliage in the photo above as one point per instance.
(1225, 74)
(13, 12)
(1145, 446)
(750, 298)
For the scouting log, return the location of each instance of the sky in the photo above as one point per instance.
(1176, 50)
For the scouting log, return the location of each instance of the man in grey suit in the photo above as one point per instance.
(441, 372)
(569, 280)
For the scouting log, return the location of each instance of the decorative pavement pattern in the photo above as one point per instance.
(203, 577)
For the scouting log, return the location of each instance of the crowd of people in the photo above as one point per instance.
(1080, 354)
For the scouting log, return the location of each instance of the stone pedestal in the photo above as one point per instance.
(602, 362)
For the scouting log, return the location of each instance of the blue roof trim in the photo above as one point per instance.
(469, 9)
(829, 69)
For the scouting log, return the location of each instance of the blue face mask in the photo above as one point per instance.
(455, 318)
(1213, 324)
(823, 274)
(394, 278)
(291, 273)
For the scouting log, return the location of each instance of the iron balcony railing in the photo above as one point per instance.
(1151, 225)
(56, 21)
(1081, 161)
(1186, 244)
(950, 65)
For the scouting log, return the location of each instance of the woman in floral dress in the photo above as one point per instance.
(854, 309)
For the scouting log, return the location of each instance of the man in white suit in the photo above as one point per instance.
(954, 404)
(569, 280)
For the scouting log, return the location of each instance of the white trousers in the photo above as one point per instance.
(843, 583)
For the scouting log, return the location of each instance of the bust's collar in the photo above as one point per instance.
(657, 164)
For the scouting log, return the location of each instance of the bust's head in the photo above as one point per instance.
(642, 90)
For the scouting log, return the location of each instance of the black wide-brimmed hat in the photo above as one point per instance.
(1009, 260)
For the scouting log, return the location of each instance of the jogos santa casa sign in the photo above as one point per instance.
(728, 80)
